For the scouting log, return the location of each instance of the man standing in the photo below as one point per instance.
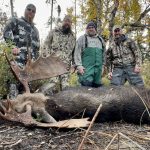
(60, 42)
(89, 57)
(124, 60)
(23, 34)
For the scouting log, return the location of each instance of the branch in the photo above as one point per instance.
(137, 24)
(87, 131)
(147, 9)
(112, 17)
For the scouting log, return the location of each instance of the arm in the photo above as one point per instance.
(37, 48)
(103, 52)
(109, 63)
(137, 55)
(78, 53)
(10, 29)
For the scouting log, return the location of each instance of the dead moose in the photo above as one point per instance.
(118, 103)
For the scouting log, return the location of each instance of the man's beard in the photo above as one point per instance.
(120, 39)
(91, 33)
(29, 19)
(66, 29)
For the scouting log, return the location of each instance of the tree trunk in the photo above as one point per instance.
(12, 8)
(120, 103)
(98, 5)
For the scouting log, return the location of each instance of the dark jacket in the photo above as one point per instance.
(23, 34)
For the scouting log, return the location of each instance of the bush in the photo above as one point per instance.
(6, 74)
(146, 72)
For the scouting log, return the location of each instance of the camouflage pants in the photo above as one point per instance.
(55, 84)
(122, 74)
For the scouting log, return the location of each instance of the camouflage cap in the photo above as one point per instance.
(68, 18)
(117, 27)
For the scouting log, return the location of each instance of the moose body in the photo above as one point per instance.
(119, 103)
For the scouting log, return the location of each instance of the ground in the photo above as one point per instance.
(15, 137)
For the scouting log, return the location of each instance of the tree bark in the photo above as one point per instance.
(112, 17)
(98, 5)
(120, 103)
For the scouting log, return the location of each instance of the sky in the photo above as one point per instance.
(43, 11)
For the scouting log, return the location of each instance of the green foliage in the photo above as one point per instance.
(73, 81)
(6, 74)
(145, 73)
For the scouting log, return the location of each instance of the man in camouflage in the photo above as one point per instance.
(23, 34)
(60, 42)
(124, 60)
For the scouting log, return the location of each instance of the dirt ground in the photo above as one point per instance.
(126, 137)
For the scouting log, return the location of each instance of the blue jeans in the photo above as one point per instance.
(122, 74)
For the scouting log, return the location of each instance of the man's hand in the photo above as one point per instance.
(137, 69)
(15, 51)
(110, 75)
(81, 69)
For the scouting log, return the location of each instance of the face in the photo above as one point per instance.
(117, 33)
(91, 31)
(30, 13)
(66, 25)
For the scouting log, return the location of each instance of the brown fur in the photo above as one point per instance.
(36, 101)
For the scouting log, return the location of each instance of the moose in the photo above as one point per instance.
(118, 103)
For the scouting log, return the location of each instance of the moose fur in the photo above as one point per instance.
(37, 103)
(119, 103)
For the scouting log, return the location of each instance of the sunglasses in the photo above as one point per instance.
(90, 27)
(32, 10)
(117, 30)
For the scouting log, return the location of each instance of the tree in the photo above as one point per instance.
(132, 15)
(3, 20)
(51, 20)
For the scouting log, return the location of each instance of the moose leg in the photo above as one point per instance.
(28, 109)
(46, 117)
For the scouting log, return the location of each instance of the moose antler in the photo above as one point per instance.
(42, 68)
(7, 113)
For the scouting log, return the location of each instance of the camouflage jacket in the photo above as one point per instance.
(123, 54)
(60, 45)
(22, 33)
